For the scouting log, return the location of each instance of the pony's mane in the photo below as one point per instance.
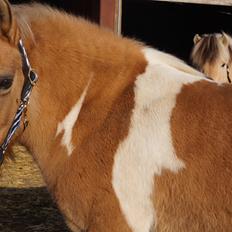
(22, 12)
(32, 12)
(208, 49)
(41, 22)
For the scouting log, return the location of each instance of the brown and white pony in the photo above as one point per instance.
(212, 54)
(128, 139)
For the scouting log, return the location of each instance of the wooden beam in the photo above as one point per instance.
(207, 2)
(110, 14)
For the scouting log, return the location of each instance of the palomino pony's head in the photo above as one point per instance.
(11, 74)
(212, 54)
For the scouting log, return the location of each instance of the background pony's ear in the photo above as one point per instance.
(226, 39)
(196, 38)
(8, 28)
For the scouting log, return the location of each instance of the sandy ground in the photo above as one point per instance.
(25, 205)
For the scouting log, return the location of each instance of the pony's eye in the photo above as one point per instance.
(6, 83)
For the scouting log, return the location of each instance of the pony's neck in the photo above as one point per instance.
(69, 57)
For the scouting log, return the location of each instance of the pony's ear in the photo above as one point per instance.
(7, 24)
(196, 38)
(226, 39)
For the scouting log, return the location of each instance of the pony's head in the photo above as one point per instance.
(212, 54)
(11, 75)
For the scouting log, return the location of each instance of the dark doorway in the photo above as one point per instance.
(171, 26)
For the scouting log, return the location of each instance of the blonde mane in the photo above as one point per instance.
(23, 14)
(26, 14)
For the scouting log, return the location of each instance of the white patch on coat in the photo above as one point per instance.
(69, 121)
(158, 57)
(148, 147)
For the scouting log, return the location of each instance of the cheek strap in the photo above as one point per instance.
(30, 79)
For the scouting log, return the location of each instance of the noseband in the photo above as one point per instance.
(30, 79)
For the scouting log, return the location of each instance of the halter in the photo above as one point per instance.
(227, 71)
(30, 79)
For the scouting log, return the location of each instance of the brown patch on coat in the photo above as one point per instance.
(94, 200)
(198, 198)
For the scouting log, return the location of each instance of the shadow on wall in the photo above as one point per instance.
(29, 210)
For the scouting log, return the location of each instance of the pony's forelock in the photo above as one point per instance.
(210, 47)
(206, 50)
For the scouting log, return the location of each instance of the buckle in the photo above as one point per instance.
(32, 76)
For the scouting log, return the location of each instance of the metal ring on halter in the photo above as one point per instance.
(30, 74)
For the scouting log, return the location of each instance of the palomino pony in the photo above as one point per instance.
(128, 139)
(212, 54)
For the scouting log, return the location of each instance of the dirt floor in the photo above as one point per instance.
(25, 205)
